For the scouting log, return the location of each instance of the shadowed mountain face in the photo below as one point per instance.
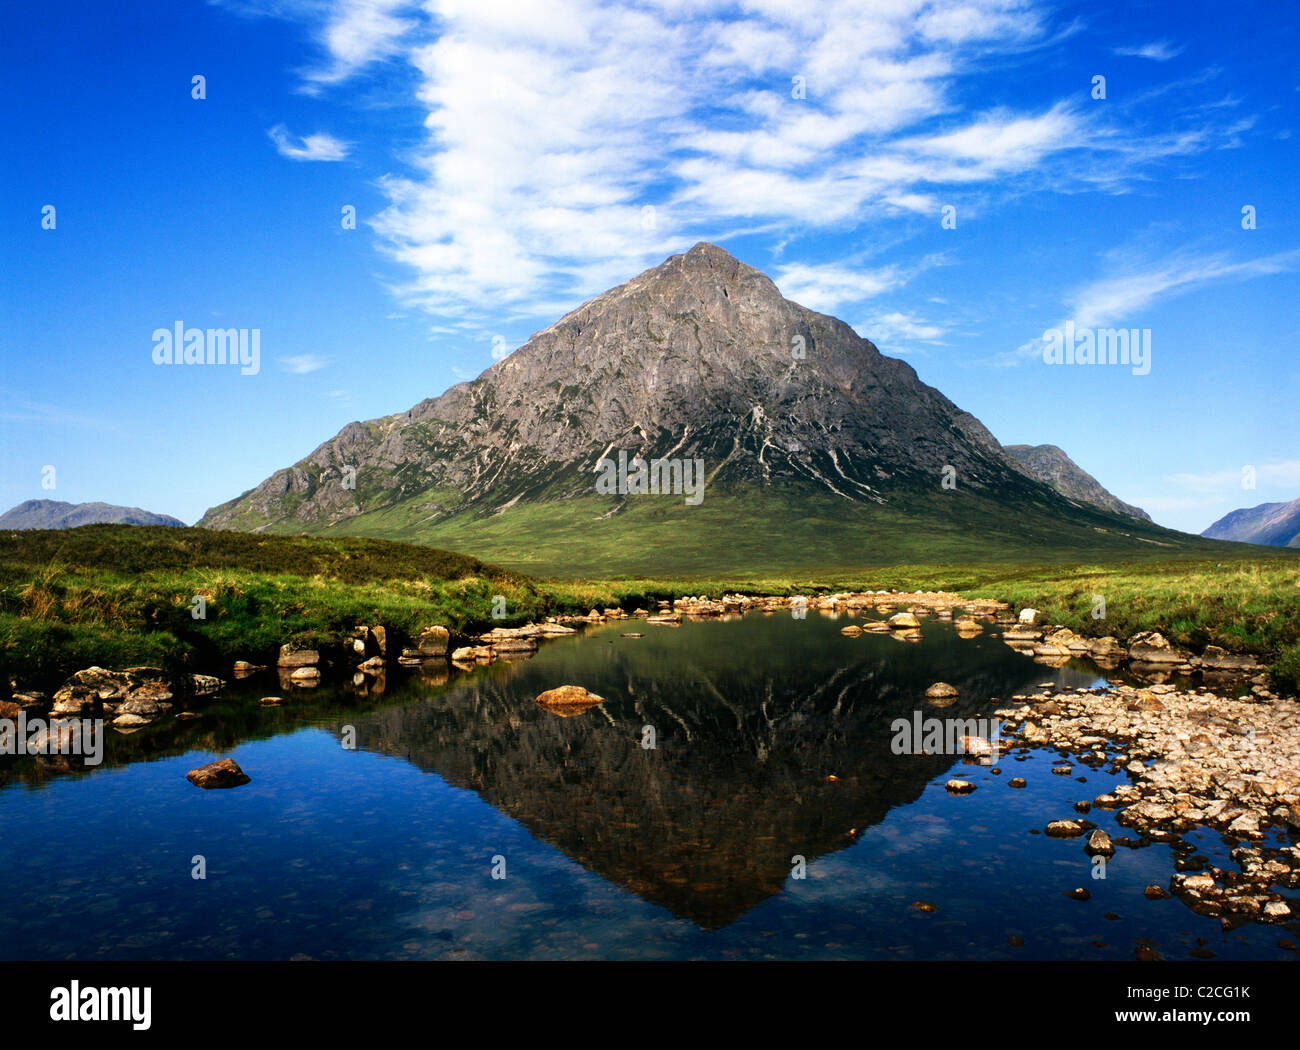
(790, 411)
(1270, 524)
(748, 737)
(1051, 466)
(56, 514)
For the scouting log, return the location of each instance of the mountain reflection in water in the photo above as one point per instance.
(772, 741)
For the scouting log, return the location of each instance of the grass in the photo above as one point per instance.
(754, 531)
(120, 595)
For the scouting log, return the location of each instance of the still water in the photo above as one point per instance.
(772, 741)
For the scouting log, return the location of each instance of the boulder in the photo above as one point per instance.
(294, 654)
(904, 621)
(959, 787)
(1218, 659)
(852, 630)
(1064, 829)
(1099, 844)
(224, 773)
(1027, 616)
(433, 641)
(1151, 647)
(568, 700)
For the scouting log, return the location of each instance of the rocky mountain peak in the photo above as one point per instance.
(698, 358)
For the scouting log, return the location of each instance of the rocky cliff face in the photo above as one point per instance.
(56, 514)
(699, 357)
(1271, 524)
(1051, 466)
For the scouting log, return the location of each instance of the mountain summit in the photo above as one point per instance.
(802, 429)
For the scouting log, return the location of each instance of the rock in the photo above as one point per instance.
(1247, 824)
(375, 665)
(243, 668)
(941, 691)
(305, 674)
(852, 630)
(1277, 910)
(1156, 893)
(433, 641)
(130, 721)
(205, 685)
(1099, 844)
(959, 787)
(1064, 829)
(568, 700)
(294, 654)
(1027, 616)
(1145, 700)
(925, 906)
(224, 773)
(1219, 659)
(632, 634)
(271, 701)
(1151, 647)
(515, 645)
(1195, 883)
(1079, 894)
(33, 702)
(904, 621)
(1016, 782)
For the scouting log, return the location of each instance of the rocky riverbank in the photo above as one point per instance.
(1191, 759)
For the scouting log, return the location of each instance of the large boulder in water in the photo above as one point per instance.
(568, 700)
(224, 773)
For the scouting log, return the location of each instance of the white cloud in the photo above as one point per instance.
(1158, 51)
(896, 327)
(1284, 473)
(301, 364)
(1129, 288)
(550, 125)
(312, 147)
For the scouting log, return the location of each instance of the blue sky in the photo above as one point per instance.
(508, 161)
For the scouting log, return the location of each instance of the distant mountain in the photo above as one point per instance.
(1270, 524)
(818, 450)
(55, 514)
(1051, 466)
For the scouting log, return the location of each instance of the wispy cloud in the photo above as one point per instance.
(895, 330)
(15, 409)
(301, 364)
(567, 144)
(312, 147)
(1284, 473)
(1130, 287)
(1157, 51)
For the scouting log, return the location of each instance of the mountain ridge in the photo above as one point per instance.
(58, 514)
(700, 356)
(1269, 524)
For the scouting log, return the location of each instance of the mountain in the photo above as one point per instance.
(817, 449)
(1271, 524)
(56, 514)
(1051, 466)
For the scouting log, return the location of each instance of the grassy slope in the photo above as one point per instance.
(121, 595)
(774, 532)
